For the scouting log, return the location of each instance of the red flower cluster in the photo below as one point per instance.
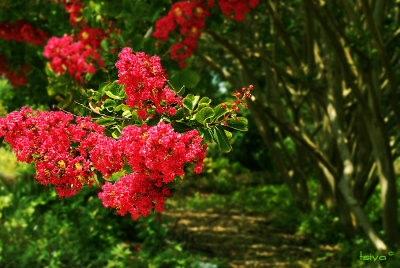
(239, 7)
(46, 139)
(134, 193)
(75, 57)
(16, 79)
(21, 31)
(190, 17)
(65, 154)
(144, 80)
(91, 37)
(74, 7)
(105, 154)
(157, 155)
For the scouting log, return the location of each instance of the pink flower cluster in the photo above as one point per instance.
(190, 17)
(21, 31)
(16, 78)
(157, 155)
(239, 7)
(76, 57)
(46, 139)
(66, 153)
(144, 80)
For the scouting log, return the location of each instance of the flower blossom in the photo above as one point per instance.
(145, 83)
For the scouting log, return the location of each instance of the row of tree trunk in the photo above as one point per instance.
(326, 101)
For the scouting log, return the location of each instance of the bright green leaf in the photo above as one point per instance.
(105, 121)
(119, 107)
(205, 100)
(205, 134)
(116, 176)
(239, 124)
(221, 139)
(108, 103)
(114, 88)
(127, 113)
(204, 114)
(201, 106)
(116, 134)
(228, 134)
(125, 108)
(190, 101)
(111, 95)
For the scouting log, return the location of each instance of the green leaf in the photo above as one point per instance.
(205, 134)
(88, 76)
(104, 45)
(153, 121)
(119, 107)
(204, 114)
(134, 116)
(116, 134)
(122, 92)
(219, 112)
(127, 113)
(190, 101)
(48, 70)
(114, 88)
(108, 103)
(125, 108)
(201, 106)
(239, 124)
(180, 127)
(104, 121)
(228, 134)
(221, 139)
(90, 93)
(205, 100)
(101, 90)
(108, 93)
(116, 176)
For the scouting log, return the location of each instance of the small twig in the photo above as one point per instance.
(176, 92)
(108, 116)
(65, 111)
(181, 89)
(166, 53)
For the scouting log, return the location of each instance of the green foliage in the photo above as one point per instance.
(221, 139)
(240, 123)
(331, 233)
(185, 78)
(196, 113)
(204, 114)
(38, 229)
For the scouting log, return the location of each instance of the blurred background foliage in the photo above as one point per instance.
(275, 200)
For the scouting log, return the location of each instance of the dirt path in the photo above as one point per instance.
(244, 240)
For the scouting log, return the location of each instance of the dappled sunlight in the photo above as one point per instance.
(244, 240)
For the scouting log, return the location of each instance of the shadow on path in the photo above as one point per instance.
(244, 240)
